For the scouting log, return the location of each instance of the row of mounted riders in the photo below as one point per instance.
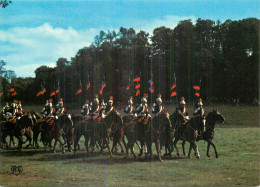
(101, 123)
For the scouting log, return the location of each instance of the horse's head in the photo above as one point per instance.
(219, 118)
(26, 121)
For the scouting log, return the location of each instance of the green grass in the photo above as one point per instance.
(238, 162)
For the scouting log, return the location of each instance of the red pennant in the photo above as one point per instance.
(79, 91)
(152, 90)
(13, 94)
(57, 91)
(173, 94)
(136, 79)
(137, 93)
(39, 93)
(43, 91)
(196, 87)
(88, 85)
(52, 94)
(94, 117)
(173, 86)
(127, 88)
(100, 92)
(12, 90)
(103, 86)
(137, 86)
(197, 94)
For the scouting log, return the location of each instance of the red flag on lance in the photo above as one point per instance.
(137, 86)
(196, 87)
(127, 88)
(39, 93)
(12, 90)
(173, 94)
(43, 91)
(100, 92)
(13, 94)
(88, 85)
(197, 94)
(79, 91)
(57, 91)
(103, 85)
(151, 88)
(173, 86)
(136, 79)
(52, 94)
(137, 92)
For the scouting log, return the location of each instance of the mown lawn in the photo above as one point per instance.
(238, 162)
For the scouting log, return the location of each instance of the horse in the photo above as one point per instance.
(22, 127)
(136, 130)
(186, 132)
(211, 119)
(160, 134)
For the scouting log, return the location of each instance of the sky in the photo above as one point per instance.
(39, 32)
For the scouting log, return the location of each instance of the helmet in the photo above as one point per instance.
(110, 100)
(159, 95)
(159, 101)
(182, 101)
(96, 101)
(144, 100)
(145, 95)
(200, 103)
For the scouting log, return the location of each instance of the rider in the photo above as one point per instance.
(157, 106)
(20, 109)
(95, 106)
(85, 110)
(130, 109)
(60, 109)
(109, 107)
(6, 111)
(142, 109)
(103, 107)
(14, 108)
(183, 112)
(201, 113)
(50, 110)
(44, 110)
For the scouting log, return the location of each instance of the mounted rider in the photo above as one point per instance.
(6, 111)
(14, 108)
(19, 109)
(85, 110)
(130, 109)
(183, 111)
(103, 107)
(60, 109)
(44, 110)
(50, 111)
(157, 106)
(94, 106)
(142, 109)
(201, 113)
(109, 107)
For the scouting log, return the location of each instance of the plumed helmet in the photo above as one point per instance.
(110, 99)
(200, 103)
(50, 100)
(96, 101)
(145, 95)
(159, 95)
(87, 101)
(159, 101)
(96, 95)
(183, 101)
(144, 100)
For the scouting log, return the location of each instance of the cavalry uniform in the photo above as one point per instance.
(109, 107)
(157, 106)
(142, 109)
(85, 110)
(95, 106)
(14, 108)
(130, 109)
(183, 112)
(103, 107)
(20, 109)
(44, 110)
(199, 108)
(6, 111)
(50, 110)
(60, 109)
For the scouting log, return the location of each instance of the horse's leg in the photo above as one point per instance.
(197, 154)
(55, 142)
(86, 144)
(175, 145)
(157, 144)
(122, 149)
(208, 149)
(183, 147)
(76, 142)
(190, 151)
(213, 145)
(140, 148)
(62, 145)
(107, 142)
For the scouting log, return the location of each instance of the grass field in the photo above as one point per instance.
(237, 143)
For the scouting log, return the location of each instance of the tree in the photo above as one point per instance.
(4, 3)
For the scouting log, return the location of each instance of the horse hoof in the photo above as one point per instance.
(216, 156)
(198, 157)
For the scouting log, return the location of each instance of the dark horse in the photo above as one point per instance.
(160, 134)
(187, 132)
(211, 119)
(23, 126)
(61, 127)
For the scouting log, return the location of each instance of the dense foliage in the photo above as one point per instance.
(221, 58)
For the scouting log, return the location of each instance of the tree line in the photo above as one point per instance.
(221, 58)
